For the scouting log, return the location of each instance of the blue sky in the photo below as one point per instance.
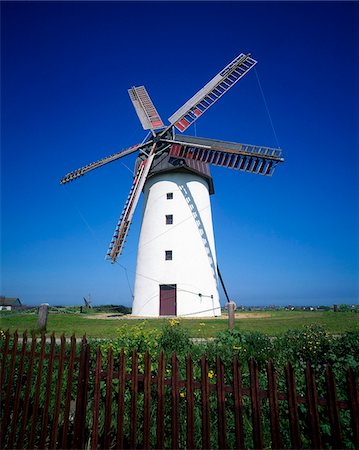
(66, 68)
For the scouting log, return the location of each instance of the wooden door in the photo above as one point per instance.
(168, 300)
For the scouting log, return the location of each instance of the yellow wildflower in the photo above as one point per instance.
(173, 322)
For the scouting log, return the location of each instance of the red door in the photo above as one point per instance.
(168, 300)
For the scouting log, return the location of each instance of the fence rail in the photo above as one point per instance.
(70, 396)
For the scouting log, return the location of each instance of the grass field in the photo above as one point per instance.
(271, 323)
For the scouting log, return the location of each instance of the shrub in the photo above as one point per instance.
(243, 345)
(174, 338)
(311, 343)
(133, 338)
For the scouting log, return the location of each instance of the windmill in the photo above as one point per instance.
(87, 302)
(176, 271)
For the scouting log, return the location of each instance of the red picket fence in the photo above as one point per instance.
(65, 396)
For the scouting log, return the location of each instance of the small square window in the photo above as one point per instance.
(169, 219)
(169, 195)
(168, 255)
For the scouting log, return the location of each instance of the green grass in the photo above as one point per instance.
(277, 323)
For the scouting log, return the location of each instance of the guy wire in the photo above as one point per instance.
(266, 106)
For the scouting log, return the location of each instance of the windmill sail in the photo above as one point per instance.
(146, 111)
(244, 157)
(101, 162)
(212, 91)
(123, 226)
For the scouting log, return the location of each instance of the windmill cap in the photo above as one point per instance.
(164, 163)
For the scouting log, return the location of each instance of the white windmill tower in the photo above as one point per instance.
(176, 271)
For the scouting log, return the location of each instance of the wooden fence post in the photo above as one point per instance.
(6, 413)
(134, 395)
(108, 403)
(221, 403)
(121, 399)
(25, 411)
(81, 399)
(175, 402)
(45, 411)
(58, 395)
(64, 443)
(256, 404)
(4, 353)
(333, 410)
(292, 407)
(160, 401)
(19, 383)
(313, 414)
(147, 401)
(96, 400)
(43, 315)
(231, 306)
(37, 392)
(273, 405)
(354, 405)
(238, 404)
(189, 403)
(206, 431)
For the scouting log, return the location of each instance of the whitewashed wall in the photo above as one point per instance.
(190, 237)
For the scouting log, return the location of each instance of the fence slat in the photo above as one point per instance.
(333, 409)
(273, 406)
(189, 403)
(146, 401)
(108, 403)
(221, 403)
(25, 411)
(238, 404)
(160, 401)
(81, 399)
(96, 400)
(121, 399)
(256, 405)
(134, 395)
(19, 384)
(175, 402)
(58, 396)
(6, 414)
(64, 443)
(4, 353)
(45, 412)
(295, 438)
(37, 392)
(313, 414)
(206, 435)
(354, 405)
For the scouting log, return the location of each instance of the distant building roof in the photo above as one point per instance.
(9, 301)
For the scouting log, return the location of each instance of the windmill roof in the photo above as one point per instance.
(166, 163)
